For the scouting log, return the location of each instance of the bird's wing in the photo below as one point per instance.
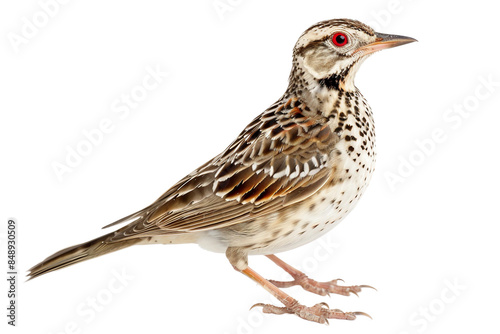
(282, 157)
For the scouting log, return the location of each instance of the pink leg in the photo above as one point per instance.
(319, 313)
(308, 284)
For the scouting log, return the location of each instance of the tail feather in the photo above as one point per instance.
(78, 253)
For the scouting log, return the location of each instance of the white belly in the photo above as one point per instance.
(316, 216)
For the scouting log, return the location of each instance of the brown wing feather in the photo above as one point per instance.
(281, 158)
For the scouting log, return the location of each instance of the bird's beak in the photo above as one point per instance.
(383, 42)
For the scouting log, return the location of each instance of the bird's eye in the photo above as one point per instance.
(339, 39)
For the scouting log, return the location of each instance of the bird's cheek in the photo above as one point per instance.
(319, 64)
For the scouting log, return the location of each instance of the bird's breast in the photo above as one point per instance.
(352, 162)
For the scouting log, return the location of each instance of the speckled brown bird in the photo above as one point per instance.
(291, 175)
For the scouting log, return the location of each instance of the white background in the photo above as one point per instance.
(437, 225)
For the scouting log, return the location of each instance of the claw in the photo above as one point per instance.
(361, 313)
(368, 286)
(353, 292)
(324, 304)
(256, 305)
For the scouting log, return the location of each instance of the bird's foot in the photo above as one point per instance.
(319, 313)
(321, 288)
(308, 284)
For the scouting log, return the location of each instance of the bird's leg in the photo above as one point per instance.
(308, 284)
(319, 313)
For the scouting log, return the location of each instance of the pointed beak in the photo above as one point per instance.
(383, 42)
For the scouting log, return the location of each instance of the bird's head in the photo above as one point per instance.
(328, 54)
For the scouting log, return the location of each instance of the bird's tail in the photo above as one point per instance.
(78, 253)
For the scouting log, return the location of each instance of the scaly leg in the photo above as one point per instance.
(319, 313)
(308, 284)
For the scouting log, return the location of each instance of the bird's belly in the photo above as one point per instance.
(316, 216)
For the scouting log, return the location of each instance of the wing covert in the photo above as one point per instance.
(282, 157)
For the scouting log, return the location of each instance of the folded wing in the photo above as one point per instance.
(281, 158)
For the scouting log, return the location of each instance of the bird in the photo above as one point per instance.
(291, 175)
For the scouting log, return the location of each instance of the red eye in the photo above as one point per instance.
(339, 39)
